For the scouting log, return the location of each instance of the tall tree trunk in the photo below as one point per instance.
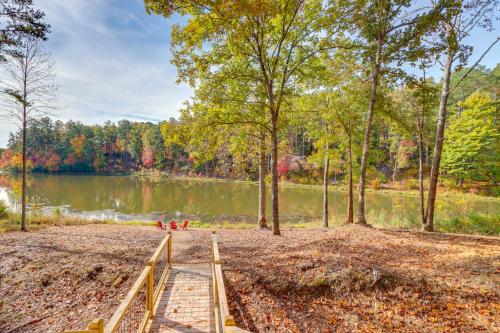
(395, 171)
(23, 185)
(366, 142)
(438, 145)
(426, 155)
(325, 181)
(274, 173)
(421, 172)
(395, 165)
(262, 180)
(350, 204)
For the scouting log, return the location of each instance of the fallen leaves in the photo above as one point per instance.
(347, 280)
(65, 277)
(342, 280)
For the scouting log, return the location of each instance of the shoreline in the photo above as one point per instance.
(36, 223)
(334, 187)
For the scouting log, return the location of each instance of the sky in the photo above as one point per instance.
(113, 61)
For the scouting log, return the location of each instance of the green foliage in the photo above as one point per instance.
(212, 138)
(20, 21)
(472, 146)
(153, 140)
(412, 184)
(4, 210)
(483, 224)
(480, 79)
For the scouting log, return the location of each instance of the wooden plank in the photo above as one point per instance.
(234, 329)
(223, 318)
(191, 282)
(150, 290)
(160, 284)
(144, 322)
(216, 301)
(169, 250)
(156, 255)
(227, 319)
(96, 326)
(115, 321)
(215, 250)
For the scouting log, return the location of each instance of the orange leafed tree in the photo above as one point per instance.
(5, 159)
(147, 157)
(53, 162)
(78, 145)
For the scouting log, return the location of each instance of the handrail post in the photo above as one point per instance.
(169, 250)
(150, 289)
(97, 325)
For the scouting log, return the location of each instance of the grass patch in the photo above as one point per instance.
(475, 223)
(12, 222)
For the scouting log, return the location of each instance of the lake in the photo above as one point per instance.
(130, 198)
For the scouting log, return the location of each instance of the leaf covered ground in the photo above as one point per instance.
(346, 279)
(358, 279)
(64, 277)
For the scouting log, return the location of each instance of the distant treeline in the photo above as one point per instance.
(55, 146)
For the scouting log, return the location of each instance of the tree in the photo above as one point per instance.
(273, 39)
(315, 115)
(346, 105)
(480, 78)
(472, 147)
(153, 142)
(53, 162)
(234, 108)
(414, 114)
(242, 141)
(78, 144)
(124, 129)
(384, 29)
(458, 19)
(341, 76)
(19, 21)
(28, 92)
(135, 146)
(147, 157)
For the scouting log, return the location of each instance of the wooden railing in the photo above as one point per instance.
(224, 322)
(137, 308)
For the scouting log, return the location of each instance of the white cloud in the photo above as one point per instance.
(113, 62)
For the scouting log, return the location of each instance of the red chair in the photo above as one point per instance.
(173, 225)
(184, 224)
(160, 225)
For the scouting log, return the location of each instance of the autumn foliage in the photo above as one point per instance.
(147, 157)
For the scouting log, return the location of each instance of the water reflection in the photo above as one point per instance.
(129, 195)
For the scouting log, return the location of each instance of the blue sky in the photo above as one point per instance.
(113, 61)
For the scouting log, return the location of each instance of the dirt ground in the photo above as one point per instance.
(347, 279)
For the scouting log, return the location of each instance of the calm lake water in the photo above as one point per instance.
(126, 198)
